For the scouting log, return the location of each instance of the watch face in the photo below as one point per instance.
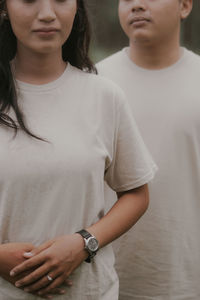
(92, 244)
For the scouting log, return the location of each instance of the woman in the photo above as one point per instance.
(63, 131)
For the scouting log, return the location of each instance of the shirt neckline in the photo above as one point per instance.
(155, 71)
(28, 87)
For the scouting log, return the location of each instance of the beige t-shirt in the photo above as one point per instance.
(159, 259)
(49, 189)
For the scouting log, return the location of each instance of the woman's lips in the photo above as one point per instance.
(46, 31)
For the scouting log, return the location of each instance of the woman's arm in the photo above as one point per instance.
(131, 205)
(58, 258)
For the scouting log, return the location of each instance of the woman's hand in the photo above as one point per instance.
(11, 255)
(56, 259)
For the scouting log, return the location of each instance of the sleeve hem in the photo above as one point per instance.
(139, 182)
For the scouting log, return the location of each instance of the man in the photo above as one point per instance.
(159, 259)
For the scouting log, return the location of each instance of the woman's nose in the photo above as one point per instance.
(46, 11)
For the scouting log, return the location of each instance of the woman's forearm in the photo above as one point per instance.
(130, 206)
(64, 254)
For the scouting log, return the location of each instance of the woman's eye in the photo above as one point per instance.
(28, 1)
(61, 0)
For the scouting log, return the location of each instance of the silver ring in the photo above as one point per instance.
(49, 278)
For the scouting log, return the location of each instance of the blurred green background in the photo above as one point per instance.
(107, 36)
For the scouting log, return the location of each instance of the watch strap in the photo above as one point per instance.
(85, 234)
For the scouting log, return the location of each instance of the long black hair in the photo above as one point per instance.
(75, 51)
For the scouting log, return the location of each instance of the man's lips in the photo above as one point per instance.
(136, 20)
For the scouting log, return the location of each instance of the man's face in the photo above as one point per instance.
(152, 21)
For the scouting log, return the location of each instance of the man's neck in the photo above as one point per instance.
(155, 57)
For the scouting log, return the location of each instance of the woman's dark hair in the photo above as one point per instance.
(75, 50)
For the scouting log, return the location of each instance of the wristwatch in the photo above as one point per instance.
(91, 244)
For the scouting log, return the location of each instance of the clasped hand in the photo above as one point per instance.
(56, 259)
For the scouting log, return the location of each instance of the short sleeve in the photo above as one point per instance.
(131, 164)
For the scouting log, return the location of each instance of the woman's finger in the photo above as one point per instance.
(57, 291)
(68, 282)
(48, 296)
(38, 249)
(33, 277)
(28, 264)
(55, 283)
(44, 281)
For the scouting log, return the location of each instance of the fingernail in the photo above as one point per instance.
(12, 273)
(26, 290)
(29, 254)
(17, 284)
(62, 292)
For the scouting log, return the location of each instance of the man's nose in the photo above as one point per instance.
(138, 5)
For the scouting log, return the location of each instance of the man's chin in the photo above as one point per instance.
(141, 39)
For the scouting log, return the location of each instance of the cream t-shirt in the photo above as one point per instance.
(49, 189)
(159, 259)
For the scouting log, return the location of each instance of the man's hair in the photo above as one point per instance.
(75, 51)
